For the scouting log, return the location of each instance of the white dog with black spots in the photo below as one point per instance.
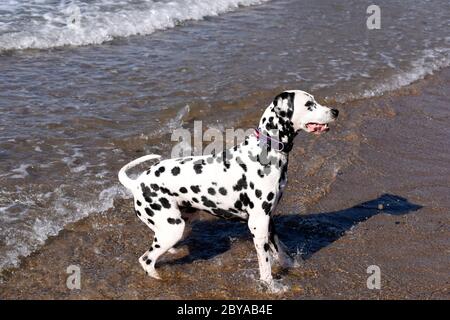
(246, 181)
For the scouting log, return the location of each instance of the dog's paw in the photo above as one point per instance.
(274, 286)
(277, 287)
(173, 251)
(153, 273)
(148, 267)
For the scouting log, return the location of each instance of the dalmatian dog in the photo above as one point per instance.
(246, 182)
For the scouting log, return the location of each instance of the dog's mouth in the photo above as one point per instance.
(317, 128)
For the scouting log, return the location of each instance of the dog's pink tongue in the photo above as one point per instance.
(313, 127)
(316, 127)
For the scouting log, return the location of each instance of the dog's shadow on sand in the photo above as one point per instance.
(302, 234)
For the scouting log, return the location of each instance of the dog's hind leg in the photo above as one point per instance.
(168, 231)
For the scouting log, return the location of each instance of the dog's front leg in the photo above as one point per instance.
(258, 224)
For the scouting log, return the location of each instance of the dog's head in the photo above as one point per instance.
(295, 110)
(309, 115)
(304, 111)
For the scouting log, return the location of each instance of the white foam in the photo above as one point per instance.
(21, 242)
(431, 60)
(20, 172)
(78, 169)
(79, 23)
(177, 121)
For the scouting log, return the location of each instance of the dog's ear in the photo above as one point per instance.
(284, 104)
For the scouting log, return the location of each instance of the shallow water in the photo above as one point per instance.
(114, 80)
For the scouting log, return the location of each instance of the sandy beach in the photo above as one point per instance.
(88, 86)
(388, 205)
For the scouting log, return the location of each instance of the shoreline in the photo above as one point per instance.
(342, 234)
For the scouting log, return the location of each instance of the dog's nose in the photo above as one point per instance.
(335, 113)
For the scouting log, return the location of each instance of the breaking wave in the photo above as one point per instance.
(42, 25)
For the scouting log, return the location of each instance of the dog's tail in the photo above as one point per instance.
(126, 180)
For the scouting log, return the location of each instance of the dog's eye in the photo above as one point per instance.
(310, 105)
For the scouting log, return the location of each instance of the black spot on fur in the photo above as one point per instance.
(208, 203)
(246, 200)
(167, 191)
(195, 189)
(148, 261)
(258, 193)
(223, 213)
(183, 190)
(238, 205)
(223, 191)
(270, 196)
(154, 186)
(165, 203)
(198, 168)
(175, 171)
(211, 191)
(243, 166)
(155, 206)
(147, 193)
(138, 203)
(260, 173)
(149, 212)
(266, 247)
(241, 184)
(171, 221)
(137, 213)
(195, 200)
(186, 204)
(150, 221)
(266, 207)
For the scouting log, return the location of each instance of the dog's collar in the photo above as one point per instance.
(276, 144)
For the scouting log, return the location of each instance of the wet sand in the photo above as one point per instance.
(389, 206)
